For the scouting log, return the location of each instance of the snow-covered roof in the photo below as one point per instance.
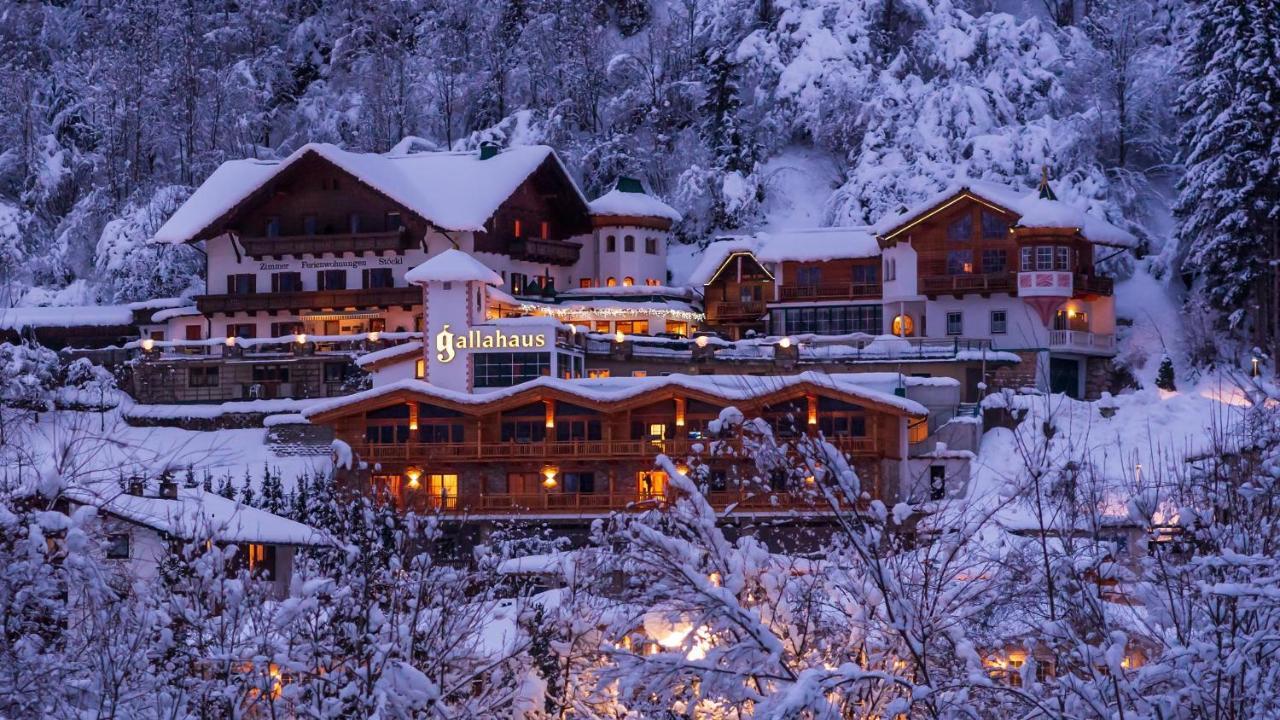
(799, 245)
(163, 315)
(65, 317)
(453, 265)
(1032, 211)
(619, 202)
(453, 190)
(390, 354)
(198, 514)
(729, 388)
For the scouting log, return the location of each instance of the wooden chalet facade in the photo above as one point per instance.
(556, 448)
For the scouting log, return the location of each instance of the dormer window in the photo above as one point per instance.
(273, 226)
(392, 222)
(961, 229)
(994, 227)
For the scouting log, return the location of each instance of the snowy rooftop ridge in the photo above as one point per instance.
(621, 202)
(730, 388)
(453, 265)
(1032, 211)
(453, 190)
(198, 514)
(799, 245)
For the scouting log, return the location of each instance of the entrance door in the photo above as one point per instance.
(1064, 376)
(972, 376)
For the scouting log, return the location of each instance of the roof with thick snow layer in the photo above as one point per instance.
(874, 388)
(1032, 211)
(453, 265)
(775, 246)
(198, 514)
(452, 190)
(632, 204)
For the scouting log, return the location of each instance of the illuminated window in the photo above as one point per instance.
(918, 431)
(651, 484)
(517, 228)
(633, 327)
(597, 374)
(678, 328)
(904, 326)
(584, 283)
(545, 230)
(628, 281)
(443, 490)
(651, 282)
(657, 431)
(639, 373)
(611, 282)
(420, 369)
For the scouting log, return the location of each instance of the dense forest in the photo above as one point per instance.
(114, 111)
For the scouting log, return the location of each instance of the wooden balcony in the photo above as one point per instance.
(735, 311)
(962, 283)
(1085, 284)
(317, 245)
(838, 291)
(309, 300)
(602, 450)
(555, 252)
(1082, 341)
(591, 503)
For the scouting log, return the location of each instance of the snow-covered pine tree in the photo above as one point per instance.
(272, 499)
(1229, 199)
(246, 490)
(1164, 376)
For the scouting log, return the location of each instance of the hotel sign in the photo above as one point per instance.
(490, 338)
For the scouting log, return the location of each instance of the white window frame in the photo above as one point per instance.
(958, 316)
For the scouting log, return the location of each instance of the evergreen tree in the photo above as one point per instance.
(226, 489)
(1229, 199)
(300, 500)
(272, 491)
(246, 490)
(1164, 376)
(207, 481)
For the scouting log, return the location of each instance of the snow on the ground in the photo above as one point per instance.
(1157, 324)
(1151, 432)
(89, 446)
(798, 183)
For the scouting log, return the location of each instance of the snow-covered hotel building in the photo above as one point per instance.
(488, 339)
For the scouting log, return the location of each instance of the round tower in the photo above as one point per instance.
(632, 228)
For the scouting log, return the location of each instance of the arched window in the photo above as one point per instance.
(611, 282)
(628, 281)
(903, 326)
(629, 243)
(611, 244)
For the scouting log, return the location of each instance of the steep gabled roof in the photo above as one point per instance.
(451, 190)
(198, 514)
(1032, 210)
(618, 393)
(775, 246)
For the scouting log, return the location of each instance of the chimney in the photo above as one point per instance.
(137, 486)
(488, 149)
(169, 489)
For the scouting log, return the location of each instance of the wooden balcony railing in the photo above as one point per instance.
(1093, 284)
(299, 245)
(556, 252)
(967, 283)
(836, 291)
(576, 503)
(309, 300)
(603, 450)
(1081, 340)
(721, 311)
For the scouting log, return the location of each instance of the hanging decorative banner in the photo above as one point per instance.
(490, 338)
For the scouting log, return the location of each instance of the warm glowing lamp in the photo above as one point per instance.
(549, 476)
(701, 341)
(300, 338)
(148, 344)
(617, 337)
(413, 473)
(373, 336)
(231, 341)
(784, 343)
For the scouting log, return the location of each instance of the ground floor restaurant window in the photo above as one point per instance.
(443, 489)
(828, 320)
(507, 369)
(651, 484)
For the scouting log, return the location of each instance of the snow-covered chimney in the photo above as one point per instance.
(169, 489)
(137, 486)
